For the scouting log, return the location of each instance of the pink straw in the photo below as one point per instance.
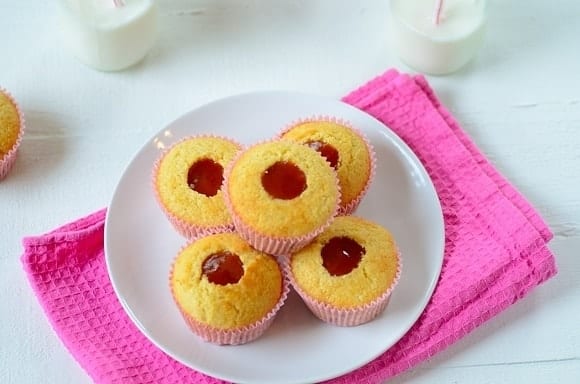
(437, 13)
(118, 3)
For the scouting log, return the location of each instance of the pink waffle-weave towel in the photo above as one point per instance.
(495, 253)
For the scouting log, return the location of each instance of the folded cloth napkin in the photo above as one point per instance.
(495, 253)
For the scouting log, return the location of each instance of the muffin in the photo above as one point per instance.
(227, 292)
(11, 130)
(187, 180)
(280, 194)
(346, 149)
(346, 275)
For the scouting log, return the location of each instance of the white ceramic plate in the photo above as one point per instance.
(140, 245)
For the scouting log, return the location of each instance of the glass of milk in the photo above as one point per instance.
(440, 47)
(108, 35)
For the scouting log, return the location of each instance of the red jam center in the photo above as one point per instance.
(205, 176)
(340, 255)
(284, 180)
(326, 150)
(223, 268)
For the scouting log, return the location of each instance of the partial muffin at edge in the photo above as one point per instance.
(11, 130)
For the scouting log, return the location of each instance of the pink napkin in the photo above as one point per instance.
(495, 253)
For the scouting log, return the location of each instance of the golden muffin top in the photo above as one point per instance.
(344, 148)
(189, 176)
(353, 262)
(9, 124)
(282, 189)
(199, 274)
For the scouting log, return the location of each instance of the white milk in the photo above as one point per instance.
(436, 48)
(106, 37)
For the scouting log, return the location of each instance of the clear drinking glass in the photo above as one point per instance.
(437, 47)
(108, 35)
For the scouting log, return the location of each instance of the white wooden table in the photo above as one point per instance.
(520, 102)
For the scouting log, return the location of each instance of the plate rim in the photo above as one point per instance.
(262, 93)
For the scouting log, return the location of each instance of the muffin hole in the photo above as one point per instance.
(326, 150)
(340, 255)
(223, 268)
(284, 180)
(205, 176)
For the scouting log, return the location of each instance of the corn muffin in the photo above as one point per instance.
(281, 194)
(346, 149)
(228, 292)
(11, 130)
(346, 275)
(187, 180)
